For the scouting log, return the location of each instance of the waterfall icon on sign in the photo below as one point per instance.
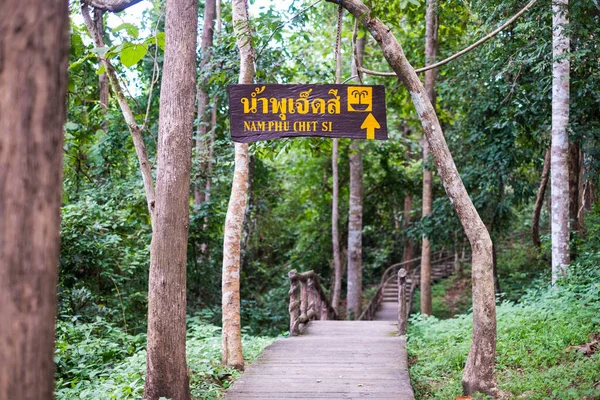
(360, 98)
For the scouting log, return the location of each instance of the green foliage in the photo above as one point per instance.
(100, 362)
(536, 353)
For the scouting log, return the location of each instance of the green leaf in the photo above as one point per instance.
(71, 126)
(132, 53)
(101, 70)
(160, 40)
(100, 50)
(131, 29)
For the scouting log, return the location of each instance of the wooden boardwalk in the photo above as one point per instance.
(332, 360)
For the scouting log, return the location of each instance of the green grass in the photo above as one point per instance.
(98, 361)
(535, 357)
(449, 297)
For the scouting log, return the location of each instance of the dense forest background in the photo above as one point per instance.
(494, 105)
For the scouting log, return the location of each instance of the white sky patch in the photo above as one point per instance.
(134, 14)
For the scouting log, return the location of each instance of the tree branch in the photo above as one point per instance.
(463, 51)
(111, 5)
(134, 128)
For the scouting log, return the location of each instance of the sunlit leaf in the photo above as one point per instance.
(133, 53)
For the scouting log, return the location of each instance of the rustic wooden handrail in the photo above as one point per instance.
(308, 301)
(402, 309)
(390, 273)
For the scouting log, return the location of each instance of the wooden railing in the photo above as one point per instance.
(402, 309)
(389, 274)
(308, 301)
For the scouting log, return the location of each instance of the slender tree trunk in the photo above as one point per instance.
(335, 234)
(102, 78)
(431, 49)
(247, 229)
(166, 374)
(234, 221)
(34, 51)
(574, 187)
(479, 370)
(560, 141)
(214, 116)
(583, 185)
(203, 142)
(354, 289)
(355, 232)
(408, 253)
(539, 201)
(490, 229)
(335, 193)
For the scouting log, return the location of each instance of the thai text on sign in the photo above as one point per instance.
(263, 112)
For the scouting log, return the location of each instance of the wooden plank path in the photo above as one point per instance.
(332, 360)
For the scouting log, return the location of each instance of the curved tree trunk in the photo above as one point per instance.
(166, 374)
(34, 51)
(559, 170)
(539, 202)
(234, 221)
(479, 370)
(431, 49)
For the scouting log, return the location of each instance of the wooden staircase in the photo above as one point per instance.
(442, 267)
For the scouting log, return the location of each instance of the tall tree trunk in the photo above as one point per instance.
(408, 253)
(203, 142)
(431, 49)
(214, 115)
(539, 201)
(560, 141)
(335, 232)
(479, 370)
(574, 186)
(34, 51)
(354, 295)
(355, 232)
(490, 228)
(166, 374)
(234, 221)
(102, 78)
(583, 186)
(335, 191)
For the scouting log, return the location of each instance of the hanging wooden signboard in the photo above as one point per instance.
(263, 112)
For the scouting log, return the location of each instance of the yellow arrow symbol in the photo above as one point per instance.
(370, 124)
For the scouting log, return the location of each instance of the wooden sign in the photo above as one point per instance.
(263, 112)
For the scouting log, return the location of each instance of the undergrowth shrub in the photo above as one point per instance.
(99, 361)
(538, 339)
